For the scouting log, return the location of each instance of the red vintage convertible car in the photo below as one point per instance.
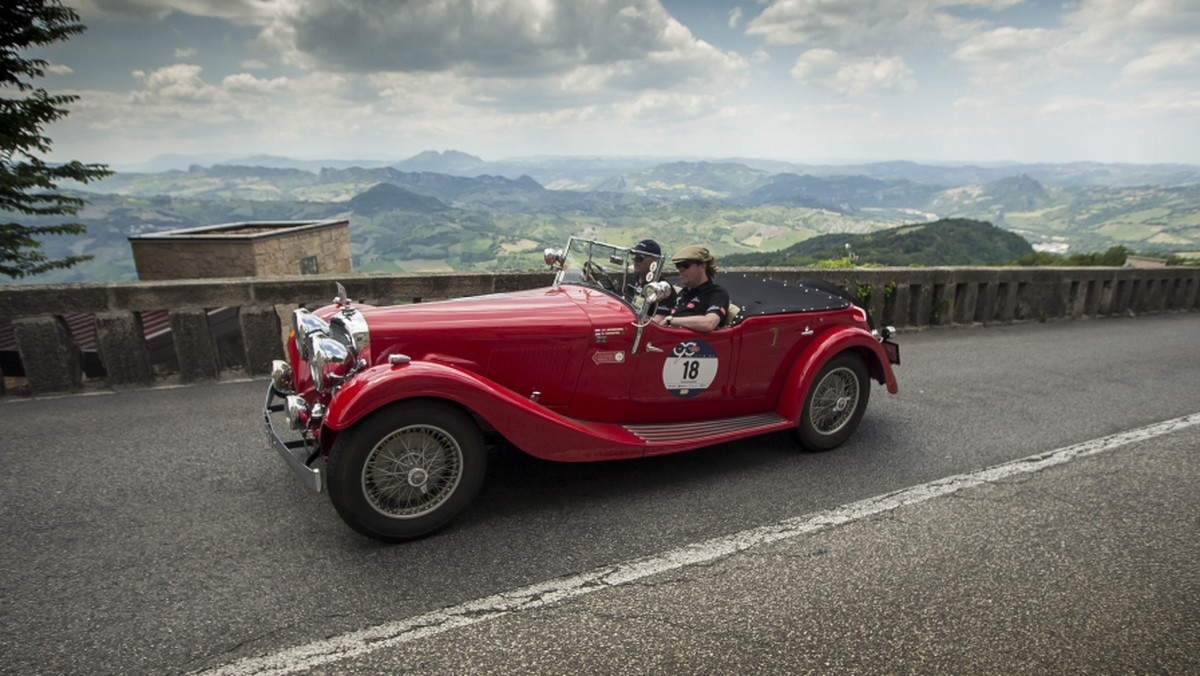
(391, 409)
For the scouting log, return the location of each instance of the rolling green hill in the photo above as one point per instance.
(956, 241)
(422, 220)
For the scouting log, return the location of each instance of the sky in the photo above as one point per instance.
(944, 81)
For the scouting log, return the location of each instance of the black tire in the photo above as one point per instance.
(406, 470)
(835, 403)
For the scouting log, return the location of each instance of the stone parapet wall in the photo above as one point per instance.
(204, 344)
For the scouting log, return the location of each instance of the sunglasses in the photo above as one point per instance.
(638, 259)
(686, 264)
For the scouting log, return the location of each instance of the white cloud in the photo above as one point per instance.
(1100, 21)
(872, 26)
(1071, 106)
(1013, 56)
(176, 84)
(852, 76)
(1168, 60)
(1172, 102)
(1155, 105)
(815, 63)
(504, 38)
(246, 12)
(244, 84)
(515, 77)
(429, 68)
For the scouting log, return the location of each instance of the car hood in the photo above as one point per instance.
(524, 340)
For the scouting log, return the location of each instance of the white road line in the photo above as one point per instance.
(358, 643)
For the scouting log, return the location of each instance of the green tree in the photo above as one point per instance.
(27, 183)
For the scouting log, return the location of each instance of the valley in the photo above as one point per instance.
(453, 211)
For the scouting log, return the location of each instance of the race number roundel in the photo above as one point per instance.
(690, 369)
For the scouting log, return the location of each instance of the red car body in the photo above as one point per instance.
(572, 372)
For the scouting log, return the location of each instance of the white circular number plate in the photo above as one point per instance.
(690, 369)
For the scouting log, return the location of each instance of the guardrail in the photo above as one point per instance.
(246, 334)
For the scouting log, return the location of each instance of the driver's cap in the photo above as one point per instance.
(692, 252)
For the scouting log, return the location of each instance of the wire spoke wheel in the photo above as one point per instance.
(412, 471)
(835, 399)
(406, 470)
(835, 403)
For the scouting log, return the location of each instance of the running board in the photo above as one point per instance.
(708, 430)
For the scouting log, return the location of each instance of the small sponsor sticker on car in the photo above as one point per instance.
(601, 357)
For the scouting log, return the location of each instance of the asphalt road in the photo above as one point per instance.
(152, 531)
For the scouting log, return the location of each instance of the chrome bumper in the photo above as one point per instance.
(311, 476)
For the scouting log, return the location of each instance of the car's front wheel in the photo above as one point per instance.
(406, 470)
(835, 403)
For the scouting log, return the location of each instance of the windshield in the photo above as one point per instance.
(612, 268)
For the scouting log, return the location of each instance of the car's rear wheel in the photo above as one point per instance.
(835, 403)
(406, 470)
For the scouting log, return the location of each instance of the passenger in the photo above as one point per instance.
(703, 305)
(646, 255)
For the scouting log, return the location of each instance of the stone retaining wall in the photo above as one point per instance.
(907, 298)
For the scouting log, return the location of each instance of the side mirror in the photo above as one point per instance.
(656, 291)
(554, 258)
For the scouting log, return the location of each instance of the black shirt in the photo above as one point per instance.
(697, 302)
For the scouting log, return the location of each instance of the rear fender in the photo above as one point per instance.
(530, 426)
(832, 343)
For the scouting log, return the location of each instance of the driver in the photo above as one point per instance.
(647, 256)
(702, 305)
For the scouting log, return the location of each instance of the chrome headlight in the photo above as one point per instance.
(331, 362)
(656, 291)
(297, 412)
(281, 376)
(350, 327)
(304, 325)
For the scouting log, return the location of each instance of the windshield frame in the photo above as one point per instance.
(584, 258)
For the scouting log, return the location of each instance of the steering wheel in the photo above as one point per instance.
(598, 275)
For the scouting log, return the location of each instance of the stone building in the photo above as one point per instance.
(249, 249)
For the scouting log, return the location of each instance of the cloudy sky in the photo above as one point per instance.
(798, 80)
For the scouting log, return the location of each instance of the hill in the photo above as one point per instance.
(421, 220)
(840, 192)
(389, 197)
(956, 241)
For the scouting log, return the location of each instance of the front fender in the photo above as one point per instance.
(814, 357)
(527, 424)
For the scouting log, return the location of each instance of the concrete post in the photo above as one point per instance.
(1191, 295)
(907, 297)
(921, 301)
(197, 352)
(260, 335)
(52, 360)
(122, 346)
(966, 297)
(1123, 294)
(1091, 304)
(1006, 302)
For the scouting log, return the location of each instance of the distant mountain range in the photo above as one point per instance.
(586, 172)
(451, 210)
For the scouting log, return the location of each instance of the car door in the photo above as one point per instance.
(680, 367)
(769, 348)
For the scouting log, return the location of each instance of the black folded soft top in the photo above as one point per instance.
(761, 296)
